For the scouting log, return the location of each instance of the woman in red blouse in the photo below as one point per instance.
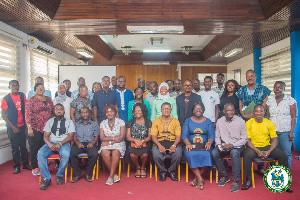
(38, 110)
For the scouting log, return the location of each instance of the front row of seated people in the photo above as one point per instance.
(197, 133)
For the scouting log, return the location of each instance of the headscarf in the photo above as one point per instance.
(163, 97)
(61, 97)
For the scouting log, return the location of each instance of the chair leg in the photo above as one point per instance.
(155, 171)
(71, 174)
(242, 169)
(150, 169)
(217, 175)
(252, 176)
(94, 172)
(186, 172)
(66, 174)
(40, 178)
(179, 175)
(123, 164)
(128, 170)
(97, 168)
(210, 176)
(120, 166)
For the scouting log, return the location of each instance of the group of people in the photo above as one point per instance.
(159, 122)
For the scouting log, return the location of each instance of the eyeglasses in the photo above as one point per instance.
(40, 88)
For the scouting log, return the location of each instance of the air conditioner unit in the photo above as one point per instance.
(155, 29)
(37, 45)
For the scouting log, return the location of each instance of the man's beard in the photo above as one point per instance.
(59, 116)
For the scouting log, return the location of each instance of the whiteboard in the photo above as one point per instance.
(90, 73)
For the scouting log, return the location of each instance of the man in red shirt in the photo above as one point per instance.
(13, 113)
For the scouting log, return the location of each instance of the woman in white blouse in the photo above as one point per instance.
(282, 111)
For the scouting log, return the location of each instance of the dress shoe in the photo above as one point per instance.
(289, 190)
(45, 184)
(26, 167)
(246, 185)
(162, 177)
(173, 177)
(17, 170)
(88, 178)
(75, 179)
(59, 180)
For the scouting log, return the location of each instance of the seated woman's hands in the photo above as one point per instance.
(138, 143)
(107, 143)
(207, 146)
(188, 147)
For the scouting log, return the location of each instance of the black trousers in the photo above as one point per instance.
(35, 143)
(18, 145)
(249, 155)
(92, 158)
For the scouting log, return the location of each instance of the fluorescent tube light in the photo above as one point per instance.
(85, 53)
(156, 63)
(233, 52)
(155, 29)
(157, 51)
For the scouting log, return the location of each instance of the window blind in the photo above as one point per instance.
(45, 67)
(9, 69)
(277, 67)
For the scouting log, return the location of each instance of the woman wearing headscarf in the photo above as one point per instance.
(63, 99)
(163, 96)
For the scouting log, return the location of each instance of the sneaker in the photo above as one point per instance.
(59, 180)
(223, 181)
(45, 184)
(234, 187)
(109, 181)
(36, 172)
(116, 178)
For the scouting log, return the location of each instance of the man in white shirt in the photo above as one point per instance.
(211, 100)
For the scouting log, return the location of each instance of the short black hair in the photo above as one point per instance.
(209, 77)
(143, 108)
(165, 103)
(59, 104)
(121, 77)
(12, 81)
(37, 85)
(281, 83)
(137, 89)
(169, 80)
(85, 107)
(221, 74)
(82, 87)
(38, 78)
(250, 70)
(199, 103)
(258, 105)
(105, 77)
(154, 82)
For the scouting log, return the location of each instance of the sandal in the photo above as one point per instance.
(136, 173)
(143, 175)
(194, 182)
(200, 185)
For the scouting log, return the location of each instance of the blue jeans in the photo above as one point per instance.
(285, 145)
(45, 152)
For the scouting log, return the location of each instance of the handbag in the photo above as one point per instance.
(132, 145)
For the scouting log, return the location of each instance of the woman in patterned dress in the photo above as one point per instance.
(198, 131)
(112, 135)
(139, 139)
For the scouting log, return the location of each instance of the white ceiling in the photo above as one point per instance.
(140, 42)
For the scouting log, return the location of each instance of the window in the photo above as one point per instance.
(45, 67)
(277, 67)
(9, 68)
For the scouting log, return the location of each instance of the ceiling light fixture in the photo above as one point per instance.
(155, 29)
(85, 53)
(157, 51)
(233, 52)
(186, 50)
(156, 63)
(126, 50)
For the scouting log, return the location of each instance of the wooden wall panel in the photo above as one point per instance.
(158, 73)
(191, 72)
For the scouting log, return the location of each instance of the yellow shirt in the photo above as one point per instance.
(260, 133)
(166, 130)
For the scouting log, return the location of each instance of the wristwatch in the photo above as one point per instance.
(173, 145)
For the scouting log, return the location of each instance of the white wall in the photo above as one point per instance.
(244, 64)
(20, 39)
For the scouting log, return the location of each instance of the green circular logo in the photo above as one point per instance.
(277, 178)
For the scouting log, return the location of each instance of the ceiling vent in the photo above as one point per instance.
(155, 29)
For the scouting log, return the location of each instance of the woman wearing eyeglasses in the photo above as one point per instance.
(38, 110)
